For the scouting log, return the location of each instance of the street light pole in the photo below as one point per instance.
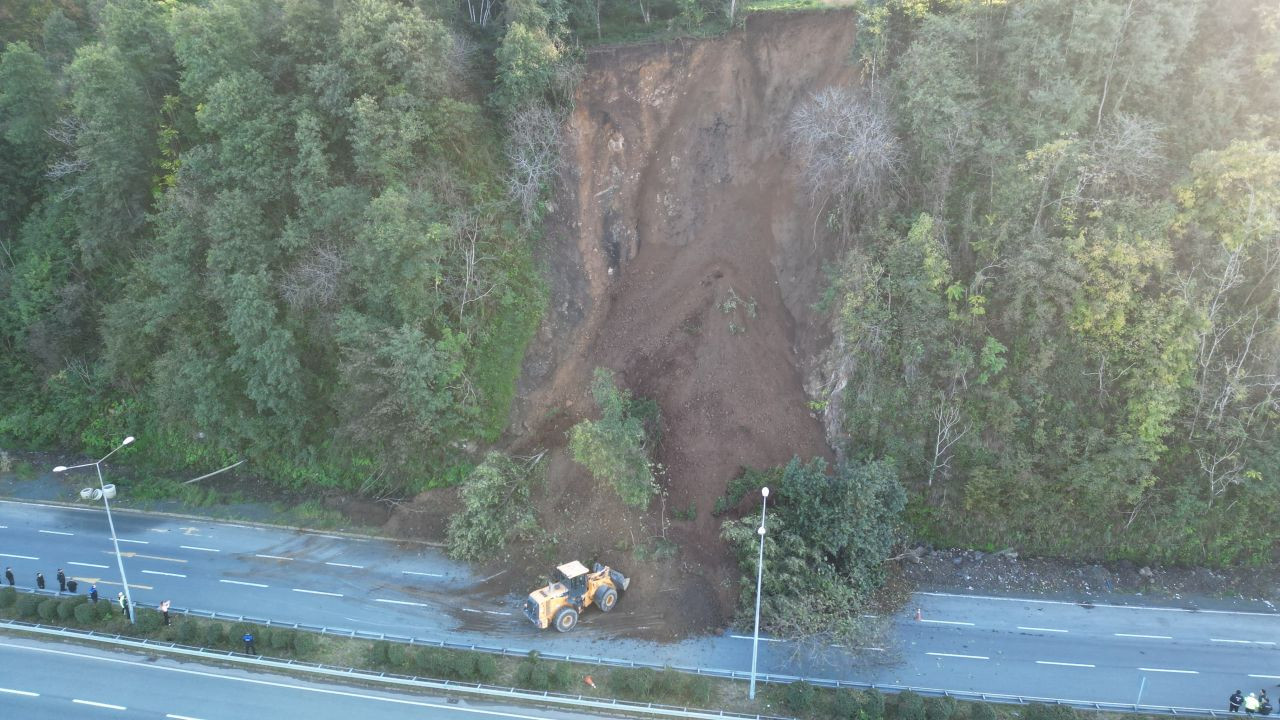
(102, 487)
(755, 639)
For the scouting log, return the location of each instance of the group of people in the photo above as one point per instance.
(1252, 703)
(70, 585)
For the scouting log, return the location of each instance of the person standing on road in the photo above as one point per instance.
(248, 644)
(62, 581)
(1233, 702)
(40, 580)
(8, 575)
(124, 604)
(1251, 704)
(93, 594)
(164, 610)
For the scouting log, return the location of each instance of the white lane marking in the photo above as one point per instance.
(1036, 629)
(1064, 664)
(331, 537)
(135, 542)
(317, 592)
(1148, 637)
(1180, 672)
(873, 649)
(273, 557)
(748, 637)
(4, 527)
(1264, 642)
(267, 683)
(55, 532)
(202, 549)
(947, 622)
(495, 612)
(108, 706)
(410, 572)
(1241, 642)
(180, 717)
(1266, 677)
(19, 557)
(1098, 605)
(357, 567)
(966, 657)
(470, 610)
(157, 572)
(92, 565)
(400, 602)
(19, 692)
(241, 582)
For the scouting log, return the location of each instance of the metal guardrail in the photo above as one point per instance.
(709, 672)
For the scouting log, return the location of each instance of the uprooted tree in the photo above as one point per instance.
(615, 449)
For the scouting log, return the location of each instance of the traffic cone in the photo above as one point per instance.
(919, 616)
(589, 681)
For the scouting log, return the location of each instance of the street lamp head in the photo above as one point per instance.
(60, 468)
(764, 491)
(760, 530)
(127, 441)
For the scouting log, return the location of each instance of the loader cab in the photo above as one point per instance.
(573, 575)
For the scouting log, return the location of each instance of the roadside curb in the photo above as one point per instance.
(225, 521)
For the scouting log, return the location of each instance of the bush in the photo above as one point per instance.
(533, 676)
(799, 697)
(398, 655)
(910, 706)
(939, 708)
(215, 635)
(282, 639)
(378, 653)
(486, 668)
(8, 596)
(560, 677)
(85, 614)
(844, 704)
(48, 609)
(190, 632)
(633, 683)
(981, 711)
(66, 609)
(235, 636)
(148, 620)
(1038, 711)
(432, 662)
(872, 704)
(305, 643)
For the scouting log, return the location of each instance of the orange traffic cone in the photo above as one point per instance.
(589, 681)
(919, 616)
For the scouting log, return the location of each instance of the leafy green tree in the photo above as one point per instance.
(615, 448)
(496, 508)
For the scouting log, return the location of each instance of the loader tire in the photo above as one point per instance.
(606, 598)
(566, 619)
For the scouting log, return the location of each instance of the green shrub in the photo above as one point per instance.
(305, 643)
(432, 662)
(981, 711)
(633, 683)
(85, 614)
(8, 596)
(486, 668)
(1038, 711)
(215, 635)
(27, 605)
(235, 636)
(872, 704)
(282, 639)
(910, 706)
(560, 677)
(378, 653)
(844, 704)
(48, 609)
(939, 708)
(495, 508)
(104, 610)
(799, 697)
(190, 632)
(533, 676)
(66, 609)
(147, 620)
(462, 665)
(399, 656)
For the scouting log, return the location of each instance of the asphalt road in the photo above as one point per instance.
(1041, 648)
(58, 681)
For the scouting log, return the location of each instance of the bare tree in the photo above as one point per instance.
(313, 282)
(480, 11)
(475, 284)
(1222, 467)
(533, 152)
(67, 133)
(846, 146)
(947, 432)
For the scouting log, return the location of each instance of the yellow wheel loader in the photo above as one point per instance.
(572, 589)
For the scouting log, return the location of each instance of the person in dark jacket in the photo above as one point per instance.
(248, 644)
(8, 575)
(1233, 702)
(93, 593)
(62, 581)
(40, 580)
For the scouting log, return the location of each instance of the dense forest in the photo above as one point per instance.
(303, 232)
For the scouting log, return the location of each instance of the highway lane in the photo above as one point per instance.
(1029, 647)
(58, 681)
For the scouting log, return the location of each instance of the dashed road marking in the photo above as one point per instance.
(135, 542)
(496, 612)
(180, 717)
(400, 602)
(410, 572)
(166, 574)
(1064, 664)
(947, 622)
(1148, 637)
(24, 693)
(273, 557)
(331, 537)
(1266, 677)
(201, 549)
(954, 655)
(1240, 642)
(1040, 629)
(108, 706)
(1180, 672)
(317, 592)
(55, 532)
(470, 610)
(19, 557)
(241, 582)
(345, 565)
(92, 565)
